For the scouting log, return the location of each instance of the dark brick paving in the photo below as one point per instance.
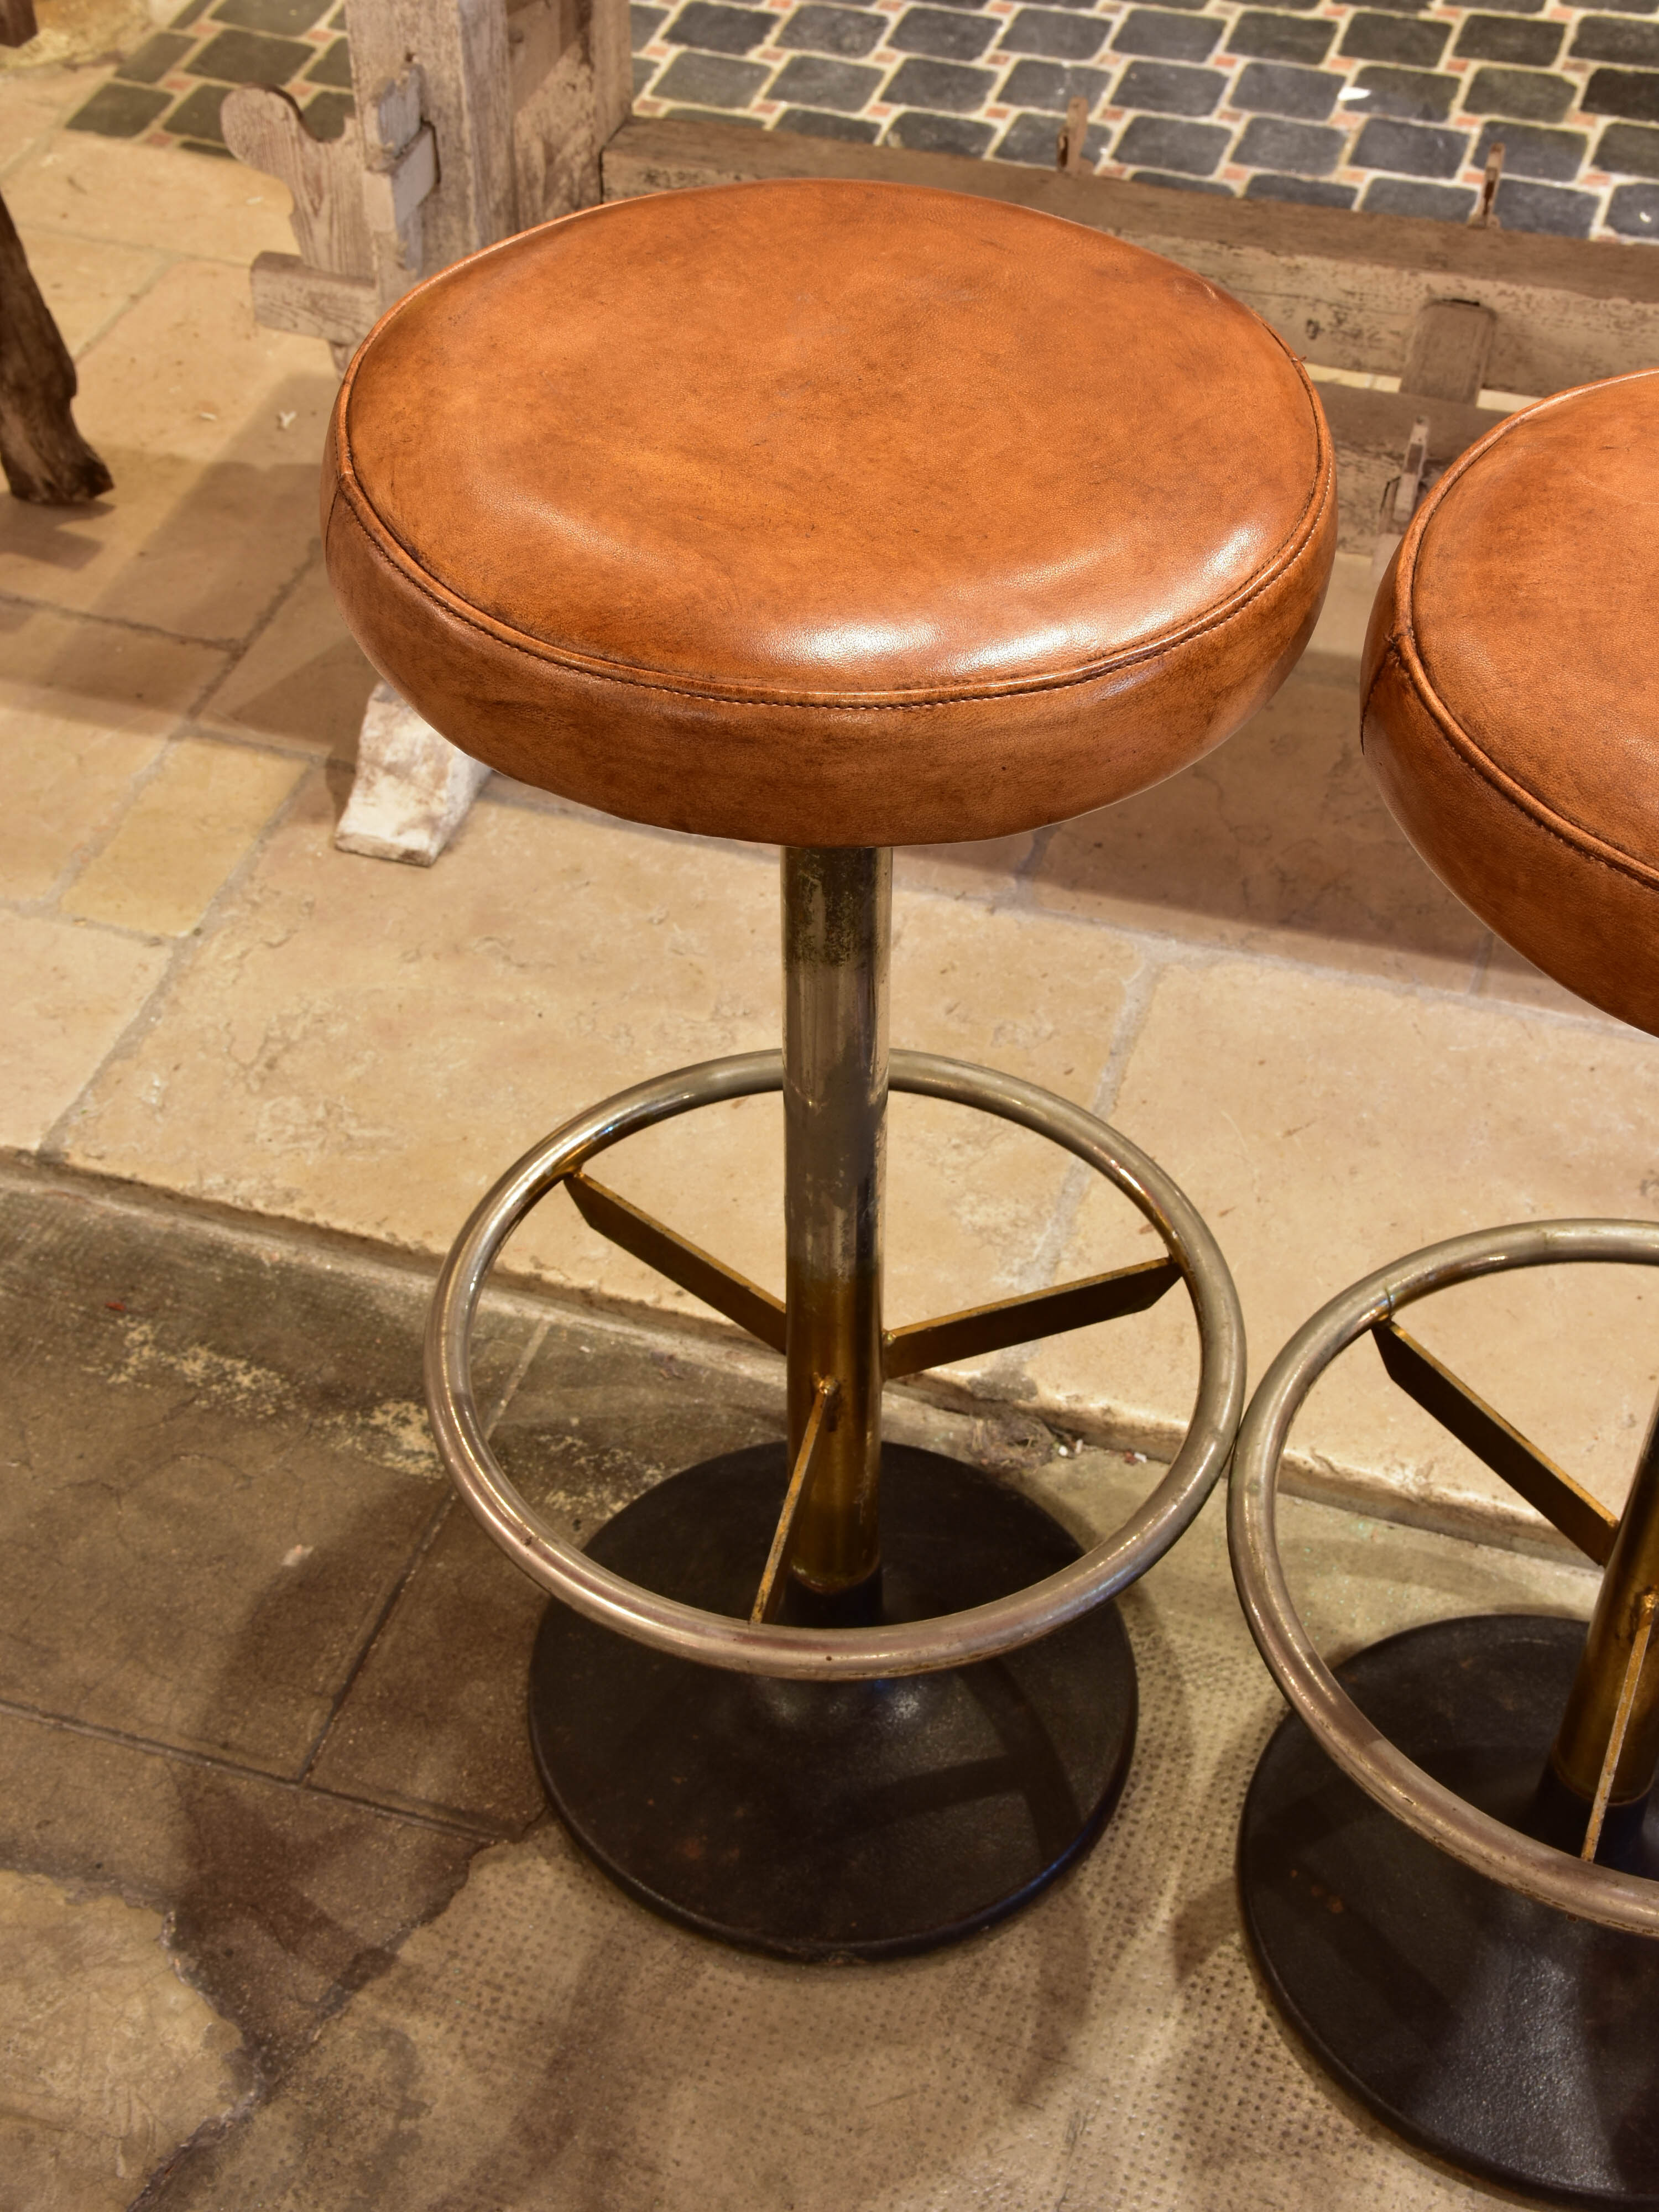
(1388, 105)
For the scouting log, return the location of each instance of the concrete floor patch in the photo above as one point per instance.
(108, 2060)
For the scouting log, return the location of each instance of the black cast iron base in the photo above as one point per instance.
(833, 1821)
(1506, 2037)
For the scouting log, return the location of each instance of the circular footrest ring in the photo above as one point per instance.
(1534, 1870)
(718, 1640)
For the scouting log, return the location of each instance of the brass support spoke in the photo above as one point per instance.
(1584, 1520)
(980, 1329)
(687, 1265)
(1638, 1652)
(769, 1598)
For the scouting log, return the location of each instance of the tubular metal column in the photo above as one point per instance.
(838, 906)
(1607, 1746)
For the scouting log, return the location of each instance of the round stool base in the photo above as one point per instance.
(833, 1820)
(1508, 2038)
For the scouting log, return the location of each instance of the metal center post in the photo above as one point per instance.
(1607, 1747)
(837, 915)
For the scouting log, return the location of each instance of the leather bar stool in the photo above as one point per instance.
(835, 516)
(1450, 1857)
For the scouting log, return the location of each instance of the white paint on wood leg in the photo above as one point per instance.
(412, 788)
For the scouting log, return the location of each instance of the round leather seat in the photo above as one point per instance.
(1512, 688)
(828, 514)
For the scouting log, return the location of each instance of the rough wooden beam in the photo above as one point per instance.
(45, 459)
(1371, 430)
(290, 294)
(460, 48)
(1342, 288)
(1449, 351)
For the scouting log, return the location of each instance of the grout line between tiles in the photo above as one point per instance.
(187, 949)
(165, 262)
(32, 606)
(239, 654)
(1007, 1368)
(509, 1389)
(127, 1741)
(537, 1338)
(337, 1704)
(1484, 951)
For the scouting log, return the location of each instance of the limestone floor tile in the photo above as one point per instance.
(105, 672)
(135, 195)
(1338, 1125)
(211, 428)
(109, 2061)
(1278, 842)
(35, 102)
(971, 1197)
(188, 827)
(63, 781)
(86, 281)
(371, 1047)
(1509, 976)
(71, 991)
(984, 868)
(304, 680)
(83, 30)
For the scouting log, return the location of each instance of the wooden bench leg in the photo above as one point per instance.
(45, 457)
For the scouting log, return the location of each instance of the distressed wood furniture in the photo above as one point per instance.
(45, 457)
(760, 513)
(474, 120)
(1449, 1863)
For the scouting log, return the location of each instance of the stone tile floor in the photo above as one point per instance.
(1392, 107)
(250, 1087)
(165, 73)
(283, 1920)
(1248, 967)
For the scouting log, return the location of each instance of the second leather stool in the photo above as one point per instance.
(1449, 1860)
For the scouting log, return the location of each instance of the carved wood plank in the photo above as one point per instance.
(290, 294)
(611, 50)
(266, 129)
(1447, 354)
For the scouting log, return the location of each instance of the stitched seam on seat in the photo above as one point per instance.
(490, 626)
(1391, 651)
(1294, 542)
(1583, 842)
(1461, 743)
(768, 702)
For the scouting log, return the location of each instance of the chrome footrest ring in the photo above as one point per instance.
(1503, 1854)
(717, 1639)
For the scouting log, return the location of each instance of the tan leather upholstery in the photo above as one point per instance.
(828, 513)
(1512, 688)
